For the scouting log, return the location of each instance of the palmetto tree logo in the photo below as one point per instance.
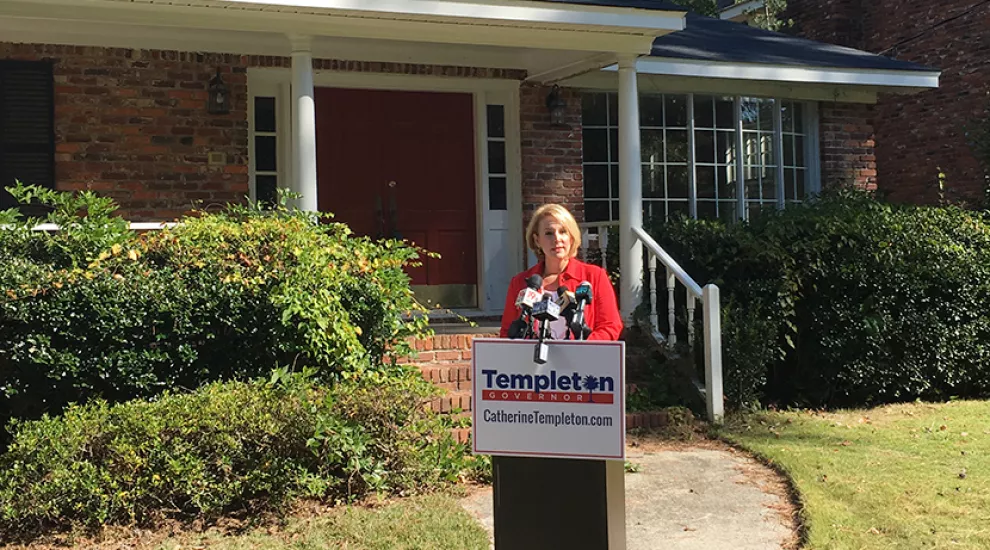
(591, 382)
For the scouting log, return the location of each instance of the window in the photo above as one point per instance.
(27, 137)
(265, 150)
(690, 163)
(715, 157)
(600, 116)
(497, 171)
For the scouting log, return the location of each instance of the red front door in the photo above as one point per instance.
(401, 165)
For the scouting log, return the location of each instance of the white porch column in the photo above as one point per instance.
(303, 124)
(630, 189)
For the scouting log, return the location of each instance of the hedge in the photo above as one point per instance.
(847, 300)
(96, 311)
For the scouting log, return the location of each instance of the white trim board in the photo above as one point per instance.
(386, 81)
(893, 81)
(608, 81)
(740, 12)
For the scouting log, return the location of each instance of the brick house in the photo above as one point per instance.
(437, 121)
(915, 136)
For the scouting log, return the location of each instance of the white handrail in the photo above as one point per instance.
(708, 296)
(665, 258)
(136, 226)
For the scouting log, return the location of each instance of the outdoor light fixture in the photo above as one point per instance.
(219, 100)
(556, 105)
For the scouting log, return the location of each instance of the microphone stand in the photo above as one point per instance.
(545, 312)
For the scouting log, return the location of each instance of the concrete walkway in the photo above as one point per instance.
(699, 497)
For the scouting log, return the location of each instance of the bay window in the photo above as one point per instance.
(689, 155)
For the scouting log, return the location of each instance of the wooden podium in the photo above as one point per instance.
(556, 433)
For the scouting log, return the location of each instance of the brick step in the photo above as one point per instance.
(459, 401)
(646, 419)
(453, 341)
(437, 356)
(446, 373)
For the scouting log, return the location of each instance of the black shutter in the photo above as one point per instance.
(27, 136)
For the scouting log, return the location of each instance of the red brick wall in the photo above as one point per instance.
(847, 145)
(918, 134)
(132, 124)
(552, 168)
(834, 21)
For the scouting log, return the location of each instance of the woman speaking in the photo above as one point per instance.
(554, 236)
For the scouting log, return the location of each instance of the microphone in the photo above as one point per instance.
(525, 300)
(582, 297)
(568, 304)
(546, 311)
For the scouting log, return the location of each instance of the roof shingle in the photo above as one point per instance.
(710, 39)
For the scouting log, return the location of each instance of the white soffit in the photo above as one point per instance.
(631, 20)
(885, 80)
(506, 23)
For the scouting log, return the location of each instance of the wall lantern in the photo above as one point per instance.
(219, 100)
(556, 105)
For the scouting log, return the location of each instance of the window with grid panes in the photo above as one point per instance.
(795, 143)
(715, 154)
(669, 171)
(759, 157)
(265, 150)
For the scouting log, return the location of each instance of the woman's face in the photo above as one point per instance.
(554, 240)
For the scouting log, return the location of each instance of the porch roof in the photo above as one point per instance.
(716, 48)
(710, 39)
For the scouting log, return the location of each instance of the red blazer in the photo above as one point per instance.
(601, 315)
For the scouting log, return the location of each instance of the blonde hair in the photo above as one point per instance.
(562, 216)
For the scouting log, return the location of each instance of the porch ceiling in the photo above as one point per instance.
(523, 35)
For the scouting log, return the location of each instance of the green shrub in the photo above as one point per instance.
(227, 447)
(753, 281)
(96, 311)
(847, 300)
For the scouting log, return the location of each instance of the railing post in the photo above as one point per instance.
(603, 245)
(671, 308)
(713, 353)
(691, 300)
(654, 318)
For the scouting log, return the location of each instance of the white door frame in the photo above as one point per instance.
(276, 82)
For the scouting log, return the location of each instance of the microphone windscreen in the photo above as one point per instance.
(534, 281)
(584, 290)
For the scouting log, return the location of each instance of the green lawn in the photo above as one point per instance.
(426, 523)
(901, 476)
(434, 522)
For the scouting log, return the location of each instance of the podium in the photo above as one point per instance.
(556, 433)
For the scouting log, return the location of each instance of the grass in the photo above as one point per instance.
(900, 476)
(433, 522)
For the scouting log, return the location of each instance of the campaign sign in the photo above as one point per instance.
(572, 406)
